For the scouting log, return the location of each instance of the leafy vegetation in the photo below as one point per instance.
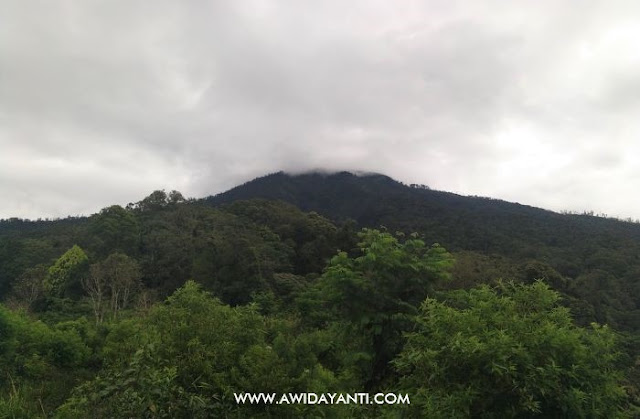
(509, 351)
(168, 307)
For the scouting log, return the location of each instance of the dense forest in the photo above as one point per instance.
(322, 283)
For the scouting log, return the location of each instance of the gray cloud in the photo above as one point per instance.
(102, 102)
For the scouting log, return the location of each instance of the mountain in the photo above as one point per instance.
(263, 258)
(594, 261)
(591, 258)
(455, 221)
(340, 195)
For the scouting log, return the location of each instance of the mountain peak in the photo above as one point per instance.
(328, 173)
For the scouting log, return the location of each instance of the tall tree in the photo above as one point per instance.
(116, 278)
(115, 229)
(123, 275)
(30, 285)
(509, 351)
(66, 272)
(378, 292)
(95, 285)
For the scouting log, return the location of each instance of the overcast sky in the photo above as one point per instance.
(102, 102)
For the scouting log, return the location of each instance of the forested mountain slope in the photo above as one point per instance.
(593, 258)
(459, 222)
(321, 283)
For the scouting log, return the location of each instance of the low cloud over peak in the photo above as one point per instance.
(101, 103)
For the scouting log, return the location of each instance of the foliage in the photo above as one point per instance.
(509, 351)
(144, 389)
(375, 295)
(66, 272)
(305, 303)
(29, 287)
(190, 355)
(313, 238)
(115, 229)
(38, 364)
(116, 278)
(511, 234)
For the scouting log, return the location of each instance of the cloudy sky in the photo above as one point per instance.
(102, 102)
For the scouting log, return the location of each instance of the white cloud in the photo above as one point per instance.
(102, 102)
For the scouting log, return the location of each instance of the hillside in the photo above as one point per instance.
(593, 259)
(458, 222)
(598, 258)
(288, 278)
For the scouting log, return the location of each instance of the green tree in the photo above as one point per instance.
(115, 229)
(39, 364)
(509, 351)
(157, 200)
(66, 272)
(17, 254)
(7, 334)
(175, 197)
(375, 296)
(188, 357)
